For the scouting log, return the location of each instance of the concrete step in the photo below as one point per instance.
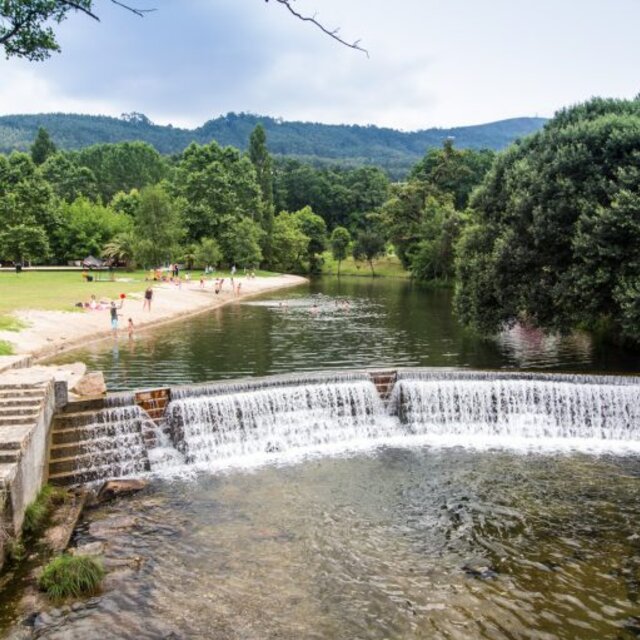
(80, 434)
(82, 418)
(22, 386)
(78, 406)
(31, 410)
(10, 455)
(64, 479)
(12, 436)
(20, 402)
(73, 464)
(21, 392)
(14, 419)
(63, 450)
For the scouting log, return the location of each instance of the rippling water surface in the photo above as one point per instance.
(334, 324)
(398, 543)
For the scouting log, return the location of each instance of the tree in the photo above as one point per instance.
(241, 242)
(25, 30)
(369, 245)
(42, 146)
(121, 248)
(208, 253)
(25, 197)
(24, 24)
(86, 227)
(290, 243)
(555, 227)
(219, 187)
(314, 227)
(68, 179)
(340, 239)
(158, 227)
(24, 242)
(263, 165)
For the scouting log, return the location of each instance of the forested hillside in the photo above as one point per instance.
(319, 144)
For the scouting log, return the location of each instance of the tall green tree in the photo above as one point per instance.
(24, 242)
(263, 165)
(241, 242)
(68, 179)
(86, 227)
(122, 166)
(555, 227)
(42, 146)
(339, 241)
(290, 243)
(158, 227)
(369, 244)
(219, 187)
(28, 213)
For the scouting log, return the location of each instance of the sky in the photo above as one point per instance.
(431, 62)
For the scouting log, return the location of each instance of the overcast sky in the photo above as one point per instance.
(432, 62)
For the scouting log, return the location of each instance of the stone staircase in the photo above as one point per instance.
(91, 441)
(26, 406)
(20, 407)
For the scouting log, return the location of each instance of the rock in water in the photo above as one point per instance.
(114, 488)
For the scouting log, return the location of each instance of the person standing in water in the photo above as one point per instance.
(113, 311)
(148, 296)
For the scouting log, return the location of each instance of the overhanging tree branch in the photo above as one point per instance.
(332, 33)
(87, 10)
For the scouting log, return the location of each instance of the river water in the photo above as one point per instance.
(397, 540)
(335, 323)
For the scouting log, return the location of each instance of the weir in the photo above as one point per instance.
(209, 425)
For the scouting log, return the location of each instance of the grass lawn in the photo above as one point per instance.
(60, 290)
(388, 266)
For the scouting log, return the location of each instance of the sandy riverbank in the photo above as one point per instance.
(51, 332)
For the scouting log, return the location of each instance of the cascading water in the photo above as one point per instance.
(256, 420)
(107, 443)
(252, 422)
(520, 407)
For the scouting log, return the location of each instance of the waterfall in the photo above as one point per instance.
(525, 406)
(277, 418)
(251, 421)
(99, 444)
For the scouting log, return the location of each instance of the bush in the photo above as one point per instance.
(71, 576)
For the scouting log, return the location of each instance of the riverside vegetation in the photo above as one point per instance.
(557, 210)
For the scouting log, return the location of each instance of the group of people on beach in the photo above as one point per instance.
(157, 276)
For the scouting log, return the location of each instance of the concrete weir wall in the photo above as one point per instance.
(27, 406)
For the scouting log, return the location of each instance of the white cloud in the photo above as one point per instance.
(433, 63)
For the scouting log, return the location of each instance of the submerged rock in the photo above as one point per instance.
(480, 572)
(115, 488)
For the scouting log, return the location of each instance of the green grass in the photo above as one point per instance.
(61, 290)
(8, 323)
(6, 348)
(71, 576)
(37, 512)
(387, 266)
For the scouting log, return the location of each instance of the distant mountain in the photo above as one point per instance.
(351, 145)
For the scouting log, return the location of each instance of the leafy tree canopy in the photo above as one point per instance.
(556, 227)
